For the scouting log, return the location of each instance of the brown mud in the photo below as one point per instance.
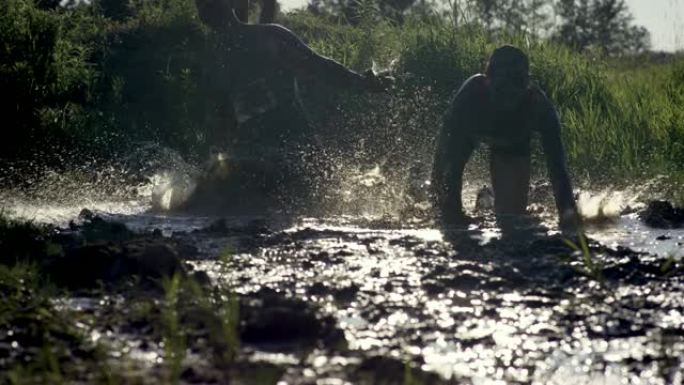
(317, 302)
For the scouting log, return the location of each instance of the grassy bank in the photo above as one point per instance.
(619, 120)
(58, 331)
(107, 83)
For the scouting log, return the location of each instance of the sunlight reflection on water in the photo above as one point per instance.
(482, 335)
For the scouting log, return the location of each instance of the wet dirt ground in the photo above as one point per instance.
(344, 300)
(443, 306)
(523, 311)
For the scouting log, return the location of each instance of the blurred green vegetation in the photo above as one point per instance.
(103, 77)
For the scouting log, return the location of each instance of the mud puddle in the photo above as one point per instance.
(473, 311)
(353, 300)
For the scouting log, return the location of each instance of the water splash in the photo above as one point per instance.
(170, 189)
(606, 205)
(150, 177)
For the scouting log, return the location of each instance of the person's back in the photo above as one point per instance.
(263, 63)
(261, 120)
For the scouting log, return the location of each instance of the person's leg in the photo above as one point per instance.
(510, 182)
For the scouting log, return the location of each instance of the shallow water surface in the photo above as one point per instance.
(463, 304)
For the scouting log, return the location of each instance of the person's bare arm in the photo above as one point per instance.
(294, 54)
(455, 145)
(554, 152)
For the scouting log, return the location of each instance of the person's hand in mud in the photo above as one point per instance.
(377, 82)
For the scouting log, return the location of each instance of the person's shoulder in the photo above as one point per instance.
(477, 80)
(273, 30)
(474, 84)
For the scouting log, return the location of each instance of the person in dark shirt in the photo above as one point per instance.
(262, 67)
(264, 152)
(503, 109)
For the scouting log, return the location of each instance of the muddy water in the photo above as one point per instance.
(481, 312)
(465, 305)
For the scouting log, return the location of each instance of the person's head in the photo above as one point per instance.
(508, 73)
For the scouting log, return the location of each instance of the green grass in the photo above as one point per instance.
(618, 123)
(108, 84)
(46, 345)
(173, 336)
(51, 345)
(45, 340)
(188, 309)
(591, 267)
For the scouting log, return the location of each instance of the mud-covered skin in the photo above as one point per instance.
(476, 115)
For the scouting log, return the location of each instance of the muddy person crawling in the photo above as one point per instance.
(255, 103)
(503, 109)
